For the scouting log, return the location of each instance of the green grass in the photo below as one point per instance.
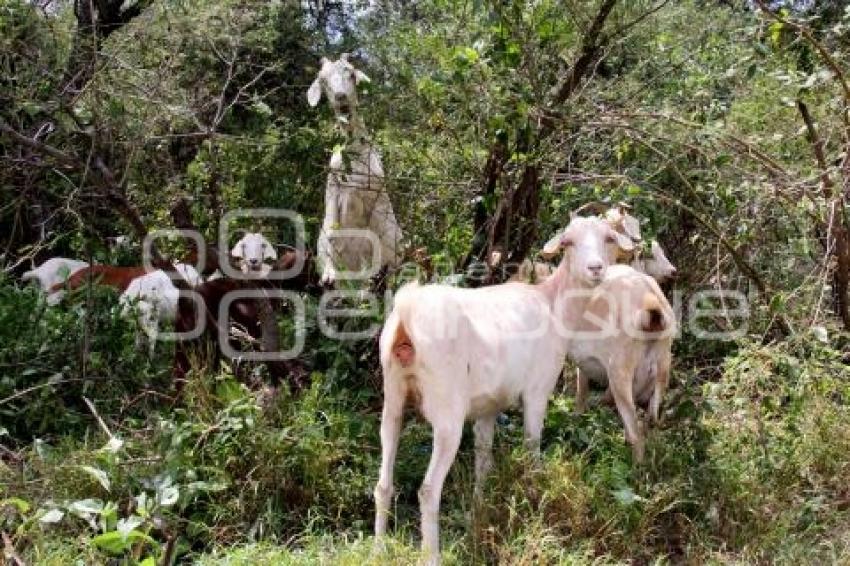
(751, 467)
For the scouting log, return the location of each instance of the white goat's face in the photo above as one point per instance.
(338, 80)
(590, 245)
(658, 266)
(252, 250)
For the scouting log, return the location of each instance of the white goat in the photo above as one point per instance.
(657, 267)
(471, 353)
(153, 297)
(656, 264)
(633, 362)
(251, 251)
(53, 271)
(355, 198)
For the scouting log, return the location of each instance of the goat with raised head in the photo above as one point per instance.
(471, 353)
(355, 197)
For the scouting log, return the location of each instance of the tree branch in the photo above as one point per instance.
(592, 43)
(41, 147)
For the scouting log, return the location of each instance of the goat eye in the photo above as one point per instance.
(610, 239)
(566, 243)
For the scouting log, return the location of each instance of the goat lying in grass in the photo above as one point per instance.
(117, 277)
(53, 272)
(462, 354)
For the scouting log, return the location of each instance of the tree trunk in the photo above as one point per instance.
(512, 229)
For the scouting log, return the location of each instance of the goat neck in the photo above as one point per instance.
(355, 128)
(566, 293)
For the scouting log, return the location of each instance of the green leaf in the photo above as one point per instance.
(775, 31)
(98, 475)
(21, 505)
(466, 55)
(261, 107)
(86, 507)
(762, 49)
(751, 70)
(128, 525)
(52, 516)
(114, 542)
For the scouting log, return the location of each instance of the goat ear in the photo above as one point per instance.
(237, 250)
(631, 226)
(314, 93)
(624, 242)
(659, 254)
(270, 252)
(361, 77)
(552, 247)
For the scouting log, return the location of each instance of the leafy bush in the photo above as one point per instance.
(52, 357)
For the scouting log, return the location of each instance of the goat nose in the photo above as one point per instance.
(595, 267)
(341, 97)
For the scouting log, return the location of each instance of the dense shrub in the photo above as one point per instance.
(52, 357)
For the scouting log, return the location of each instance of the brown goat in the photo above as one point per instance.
(243, 312)
(108, 275)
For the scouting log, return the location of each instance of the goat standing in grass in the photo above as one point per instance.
(470, 353)
(355, 198)
(653, 264)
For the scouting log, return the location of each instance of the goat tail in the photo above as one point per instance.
(397, 344)
(29, 275)
(651, 316)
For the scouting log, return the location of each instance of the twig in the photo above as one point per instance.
(99, 420)
(9, 551)
(34, 388)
